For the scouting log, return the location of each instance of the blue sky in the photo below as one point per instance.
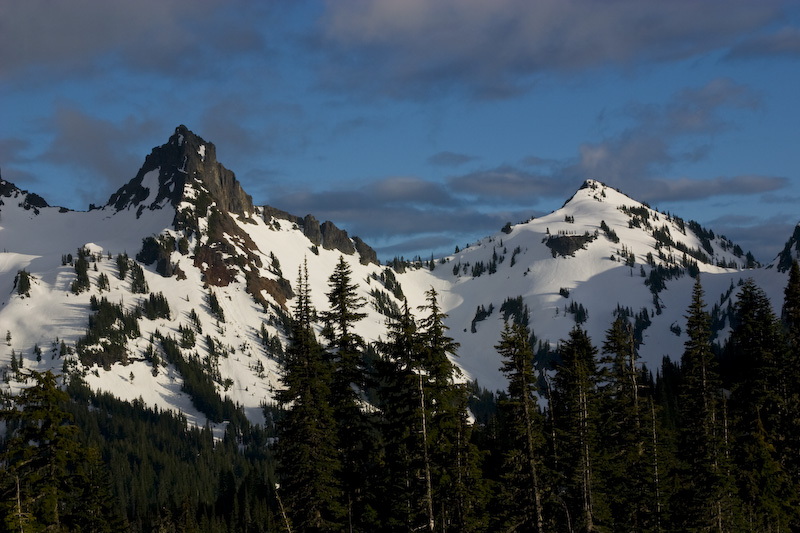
(418, 125)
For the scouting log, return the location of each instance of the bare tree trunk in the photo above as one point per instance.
(532, 461)
(283, 511)
(655, 466)
(429, 490)
(586, 460)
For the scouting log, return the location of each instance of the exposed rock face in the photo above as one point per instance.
(186, 155)
(368, 255)
(30, 200)
(327, 235)
(334, 238)
(311, 229)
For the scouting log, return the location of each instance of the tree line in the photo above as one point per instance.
(389, 437)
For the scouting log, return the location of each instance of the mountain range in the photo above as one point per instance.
(181, 251)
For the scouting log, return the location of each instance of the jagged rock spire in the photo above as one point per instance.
(185, 156)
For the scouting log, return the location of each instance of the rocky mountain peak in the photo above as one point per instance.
(28, 201)
(184, 158)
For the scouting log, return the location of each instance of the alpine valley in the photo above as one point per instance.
(181, 254)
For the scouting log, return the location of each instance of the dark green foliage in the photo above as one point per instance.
(22, 282)
(187, 340)
(81, 283)
(630, 436)
(382, 441)
(168, 476)
(138, 283)
(102, 282)
(575, 418)
(431, 466)
(610, 233)
(578, 312)
(481, 314)
(392, 285)
(356, 434)
(516, 309)
(199, 384)
(159, 252)
(707, 496)
(49, 481)
(106, 337)
(195, 319)
(123, 264)
(523, 488)
(309, 464)
(757, 367)
(155, 306)
(384, 304)
(567, 245)
(215, 307)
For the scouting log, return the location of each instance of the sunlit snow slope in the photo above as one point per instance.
(602, 253)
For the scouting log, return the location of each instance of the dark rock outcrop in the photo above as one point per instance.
(334, 238)
(185, 156)
(29, 201)
(327, 235)
(311, 229)
(368, 255)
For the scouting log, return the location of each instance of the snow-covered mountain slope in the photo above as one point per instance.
(601, 252)
(226, 269)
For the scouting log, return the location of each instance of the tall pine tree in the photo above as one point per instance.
(758, 407)
(630, 434)
(707, 499)
(357, 437)
(575, 415)
(309, 465)
(523, 488)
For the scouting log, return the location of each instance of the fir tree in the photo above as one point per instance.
(355, 435)
(630, 434)
(522, 466)
(455, 479)
(402, 427)
(23, 283)
(309, 465)
(81, 283)
(758, 407)
(575, 414)
(707, 499)
(40, 459)
(138, 283)
(790, 422)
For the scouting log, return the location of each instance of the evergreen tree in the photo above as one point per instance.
(575, 415)
(630, 434)
(791, 309)
(40, 458)
(138, 283)
(523, 487)
(81, 283)
(23, 283)
(456, 485)
(356, 437)
(98, 511)
(758, 408)
(789, 450)
(707, 499)
(309, 465)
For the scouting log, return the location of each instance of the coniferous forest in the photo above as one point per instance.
(387, 437)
